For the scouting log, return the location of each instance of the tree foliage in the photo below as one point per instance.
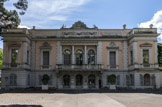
(1, 58)
(10, 19)
(160, 54)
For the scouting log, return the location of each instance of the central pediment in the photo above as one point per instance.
(79, 25)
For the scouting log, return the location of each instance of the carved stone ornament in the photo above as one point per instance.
(46, 44)
(112, 44)
(79, 25)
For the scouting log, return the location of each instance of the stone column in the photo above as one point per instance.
(72, 84)
(135, 52)
(25, 46)
(85, 82)
(33, 55)
(73, 55)
(125, 54)
(96, 82)
(99, 53)
(4, 53)
(85, 54)
(156, 53)
(61, 60)
(59, 53)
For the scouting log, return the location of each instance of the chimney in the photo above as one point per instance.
(33, 27)
(124, 26)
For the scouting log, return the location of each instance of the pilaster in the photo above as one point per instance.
(73, 54)
(99, 53)
(125, 54)
(135, 52)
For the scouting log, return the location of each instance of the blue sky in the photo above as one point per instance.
(106, 14)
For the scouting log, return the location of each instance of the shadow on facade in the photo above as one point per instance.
(79, 91)
(21, 106)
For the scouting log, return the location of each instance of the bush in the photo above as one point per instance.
(45, 79)
(112, 79)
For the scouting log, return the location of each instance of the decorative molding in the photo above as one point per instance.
(112, 45)
(45, 45)
(79, 25)
(74, 33)
(146, 45)
(14, 45)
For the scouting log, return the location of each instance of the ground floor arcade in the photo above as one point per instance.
(83, 79)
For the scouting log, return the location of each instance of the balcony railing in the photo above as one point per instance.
(84, 66)
(144, 31)
(15, 66)
(144, 66)
(112, 66)
(45, 67)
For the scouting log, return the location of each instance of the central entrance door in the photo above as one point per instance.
(66, 80)
(91, 81)
(79, 81)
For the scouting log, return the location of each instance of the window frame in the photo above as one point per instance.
(42, 50)
(10, 55)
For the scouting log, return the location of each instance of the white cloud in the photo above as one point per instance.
(157, 23)
(21, 26)
(42, 12)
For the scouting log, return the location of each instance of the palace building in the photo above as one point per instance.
(80, 57)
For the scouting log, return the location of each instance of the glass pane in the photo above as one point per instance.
(146, 56)
(46, 58)
(14, 56)
(112, 59)
(67, 57)
(79, 57)
(91, 57)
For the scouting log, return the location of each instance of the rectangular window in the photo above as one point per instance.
(145, 56)
(14, 57)
(45, 59)
(112, 59)
(131, 57)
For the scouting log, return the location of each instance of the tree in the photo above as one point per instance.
(160, 54)
(1, 58)
(10, 19)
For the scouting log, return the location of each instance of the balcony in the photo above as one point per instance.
(45, 67)
(112, 67)
(79, 67)
(144, 66)
(15, 66)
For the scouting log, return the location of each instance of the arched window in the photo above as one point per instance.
(66, 80)
(67, 57)
(91, 57)
(147, 79)
(13, 79)
(79, 57)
